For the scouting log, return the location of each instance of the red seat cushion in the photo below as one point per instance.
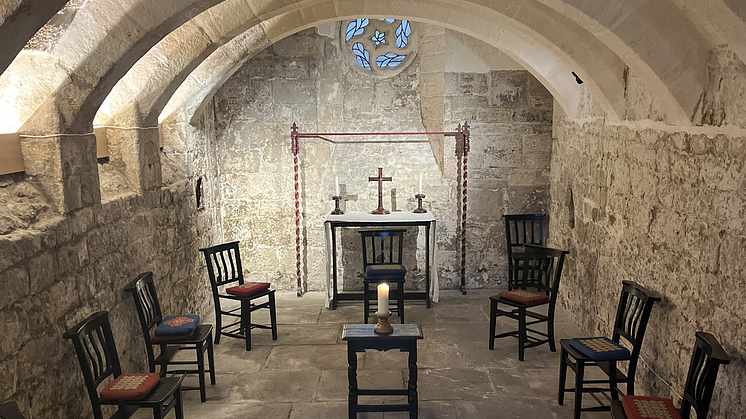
(528, 298)
(248, 289)
(130, 387)
(639, 407)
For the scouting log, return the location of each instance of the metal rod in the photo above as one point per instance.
(340, 134)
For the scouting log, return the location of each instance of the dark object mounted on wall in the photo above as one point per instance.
(577, 79)
(200, 193)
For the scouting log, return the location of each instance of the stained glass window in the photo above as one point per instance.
(390, 60)
(379, 38)
(363, 57)
(382, 47)
(402, 34)
(356, 27)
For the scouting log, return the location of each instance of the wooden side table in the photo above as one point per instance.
(360, 337)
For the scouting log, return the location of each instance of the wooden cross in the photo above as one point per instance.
(380, 179)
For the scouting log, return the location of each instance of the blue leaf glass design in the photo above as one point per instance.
(389, 21)
(390, 60)
(355, 28)
(379, 38)
(363, 56)
(402, 34)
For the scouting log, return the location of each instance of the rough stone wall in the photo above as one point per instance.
(304, 79)
(662, 206)
(65, 268)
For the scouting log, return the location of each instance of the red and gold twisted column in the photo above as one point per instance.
(295, 146)
(465, 148)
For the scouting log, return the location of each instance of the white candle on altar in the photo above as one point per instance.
(336, 185)
(420, 192)
(383, 298)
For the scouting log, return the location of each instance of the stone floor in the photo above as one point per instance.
(303, 374)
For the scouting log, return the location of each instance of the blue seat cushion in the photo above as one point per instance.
(381, 271)
(600, 349)
(183, 325)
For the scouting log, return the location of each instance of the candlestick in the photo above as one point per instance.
(419, 209)
(383, 326)
(383, 298)
(337, 210)
(336, 185)
(420, 190)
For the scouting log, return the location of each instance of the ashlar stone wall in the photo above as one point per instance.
(664, 207)
(304, 79)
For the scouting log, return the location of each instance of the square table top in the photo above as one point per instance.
(365, 332)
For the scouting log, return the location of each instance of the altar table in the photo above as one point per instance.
(427, 220)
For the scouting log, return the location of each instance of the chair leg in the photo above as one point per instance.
(550, 333)
(246, 322)
(493, 323)
(522, 335)
(273, 315)
(179, 404)
(562, 377)
(400, 301)
(366, 303)
(211, 358)
(158, 412)
(218, 325)
(164, 360)
(579, 373)
(612, 381)
(201, 372)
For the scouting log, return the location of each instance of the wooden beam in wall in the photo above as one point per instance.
(11, 157)
(102, 144)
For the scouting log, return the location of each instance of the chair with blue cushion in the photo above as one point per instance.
(633, 312)
(172, 334)
(382, 263)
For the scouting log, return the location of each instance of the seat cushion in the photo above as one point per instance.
(130, 387)
(528, 298)
(174, 338)
(639, 407)
(600, 349)
(379, 271)
(183, 325)
(247, 289)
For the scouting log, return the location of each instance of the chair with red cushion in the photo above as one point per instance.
(172, 335)
(97, 355)
(227, 281)
(633, 312)
(537, 273)
(707, 357)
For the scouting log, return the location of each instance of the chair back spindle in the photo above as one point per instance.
(703, 370)
(540, 268)
(382, 247)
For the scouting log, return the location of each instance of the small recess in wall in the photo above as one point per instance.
(570, 209)
(199, 192)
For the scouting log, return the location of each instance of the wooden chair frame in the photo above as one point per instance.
(224, 268)
(540, 268)
(633, 312)
(707, 357)
(378, 241)
(97, 355)
(150, 316)
(10, 411)
(521, 229)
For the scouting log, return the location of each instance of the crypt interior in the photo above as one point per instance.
(135, 133)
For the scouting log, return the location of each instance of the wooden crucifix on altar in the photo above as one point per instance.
(380, 179)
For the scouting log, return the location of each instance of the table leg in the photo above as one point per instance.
(334, 267)
(427, 264)
(352, 378)
(413, 407)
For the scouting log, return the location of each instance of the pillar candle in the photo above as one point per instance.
(336, 185)
(420, 192)
(383, 298)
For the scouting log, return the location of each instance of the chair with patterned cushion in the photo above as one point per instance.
(521, 229)
(10, 411)
(707, 357)
(172, 334)
(227, 281)
(382, 263)
(535, 286)
(97, 355)
(635, 304)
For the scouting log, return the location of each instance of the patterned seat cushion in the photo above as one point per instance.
(247, 289)
(181, 326)
(528, 298)
(130, 387)
(639, 407)
(600, 349)
(380, 271)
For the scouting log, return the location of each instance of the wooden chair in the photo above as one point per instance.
(521, 229)
(707, 357)
(10, 411)
(382, 262)
(150, 316)
(97, 355)
(542, 269)
(224, 268)
(633, 312)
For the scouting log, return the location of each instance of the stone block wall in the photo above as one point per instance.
(664, 207)
(65, 268)
(304, 79)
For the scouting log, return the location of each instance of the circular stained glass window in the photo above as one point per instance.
(381, 47)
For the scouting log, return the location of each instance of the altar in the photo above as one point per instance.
(427, 220)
